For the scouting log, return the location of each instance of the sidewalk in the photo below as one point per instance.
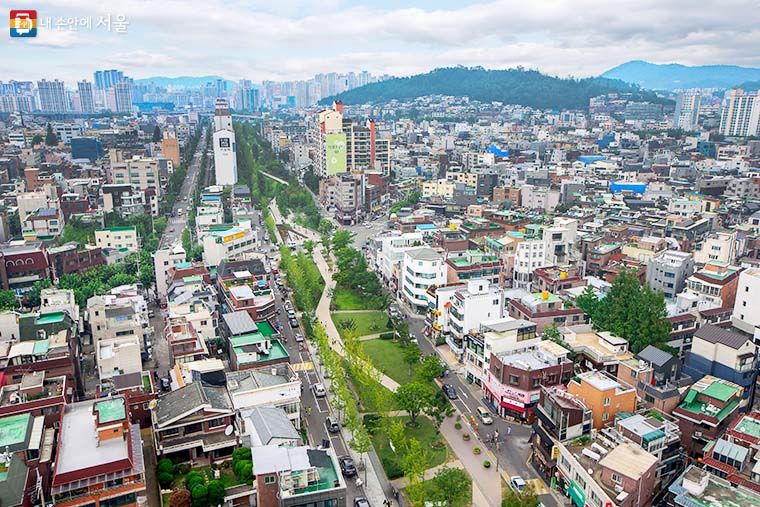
(486, 482)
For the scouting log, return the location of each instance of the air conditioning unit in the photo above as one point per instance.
(697, 434)
(618, 488)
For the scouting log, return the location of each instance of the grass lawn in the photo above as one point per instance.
(370, 322)
(226, 475)
(345, 299)
(388, 357)
(368, 405)
(427, 435)
(429, 489)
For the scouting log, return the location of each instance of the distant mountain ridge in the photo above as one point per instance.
(183, 81)
(672, 76)
(511, 86)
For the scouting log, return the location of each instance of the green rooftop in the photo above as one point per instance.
(40, 347)
(276, 351)
(550, 299)
(698, 407)
(13, 430)
(120, 229)
(720, 391)
(110, 410)
(328, 476)
(51, 318)
(265, 328)
(749, 426)
(247, 339)
(181, 265)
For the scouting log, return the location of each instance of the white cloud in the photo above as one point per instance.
(288, 40)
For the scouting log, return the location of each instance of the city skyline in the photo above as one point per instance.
(299, 39)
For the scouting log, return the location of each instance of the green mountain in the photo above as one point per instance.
(183, 81)
(511, 86)
(671, 76)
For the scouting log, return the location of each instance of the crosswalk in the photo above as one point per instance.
(537, 486)
(304, 366)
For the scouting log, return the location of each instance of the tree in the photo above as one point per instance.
(551, 332)
(156, 134)
(430, 368)
(412, 355)
(325, 226)
(588, 301)
(361, 443)
(452, 485)
(180, 498)
(200, 495)
(341, 239)
(37, 139)
(415, 461)
(524, 499)
(414, 398)
(216, 492)
(50, 138)
(193, 479)
(308, 245)
(8, 300)
(14, 224)
(33, 295)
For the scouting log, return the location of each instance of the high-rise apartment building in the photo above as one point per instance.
(686, 114)
(52, 96)
(123, 94)
(741, 114)
(225, 158)
(105, 79)
(86, 99)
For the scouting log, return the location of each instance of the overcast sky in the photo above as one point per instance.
(280, 40)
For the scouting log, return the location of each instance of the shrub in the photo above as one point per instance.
(487, 464)
(194, 479)
(458, 425)
(200, 496)
(216, 492)
(165, 479)
(243, 470)
(466, 436)
(371, 422)
(392, 469)
(476, 450)
(180, 498)
(184, 468)
(165, 466)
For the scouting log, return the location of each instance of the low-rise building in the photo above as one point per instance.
(604, 395)
(545, 309)
(655, 434)
(499, 336)
(276, 386)
(118, 238)
(699, 487)
(715, 285)
(596, 350)
(657, 377)
(228, 242)
(421, 268)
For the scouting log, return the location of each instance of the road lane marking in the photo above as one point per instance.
(303, 366)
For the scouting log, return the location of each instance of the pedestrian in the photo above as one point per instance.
(496, 435)
(509, 430)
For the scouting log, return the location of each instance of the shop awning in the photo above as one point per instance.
(576, 494)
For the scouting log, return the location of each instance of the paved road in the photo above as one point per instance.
(178, 223)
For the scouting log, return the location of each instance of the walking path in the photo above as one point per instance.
(275, 178)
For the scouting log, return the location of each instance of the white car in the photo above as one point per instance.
(319, 390)
(516, 483)
(484, 416)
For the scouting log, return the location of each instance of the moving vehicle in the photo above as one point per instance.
(319, 390)
(484, 416)
(299, 338)
(347, 466)
(361, 501)
(516, 483)
(332, 425)
(449, 391)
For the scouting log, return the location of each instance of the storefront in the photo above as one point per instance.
(576, 494)
(504, 406)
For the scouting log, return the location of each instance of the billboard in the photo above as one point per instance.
(335, 153)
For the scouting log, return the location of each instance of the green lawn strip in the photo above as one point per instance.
(370, 322)
(388, 357)
(346, 299)
(425, 432)
(430, 492)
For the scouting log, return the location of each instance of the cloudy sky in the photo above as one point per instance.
(294, 39)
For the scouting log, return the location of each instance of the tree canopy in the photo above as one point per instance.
(629, 310)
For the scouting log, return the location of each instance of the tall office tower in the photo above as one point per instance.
(686, 115)
(86, 100)
(52, 96)
(225, 158)
(741, 114)
(123, 93)
(105, 79)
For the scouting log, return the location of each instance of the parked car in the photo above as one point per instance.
(294, 323)
(516, 483)
(319, 390)
(166, 386)
(449, 391)
(291, 314)
(361, 501)
(347, 466)
(299, 338)
(332, 425)
(484, 416)
(288, 305)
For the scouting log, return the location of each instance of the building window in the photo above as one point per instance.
(605, 416)
(269, 479)
(606, 402)
(215, 423)
(514, 380)
(616, 478)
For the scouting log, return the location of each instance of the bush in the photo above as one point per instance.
(216, 491)
(165, 466)
(371, 422)
(180, 498)
(243, 470)
(392, 469)
(165, 479)
(184, 468)
(476, 450)
(466, 436)
(194, 479)
(200, 496)
(487, 464)
(458, 425)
